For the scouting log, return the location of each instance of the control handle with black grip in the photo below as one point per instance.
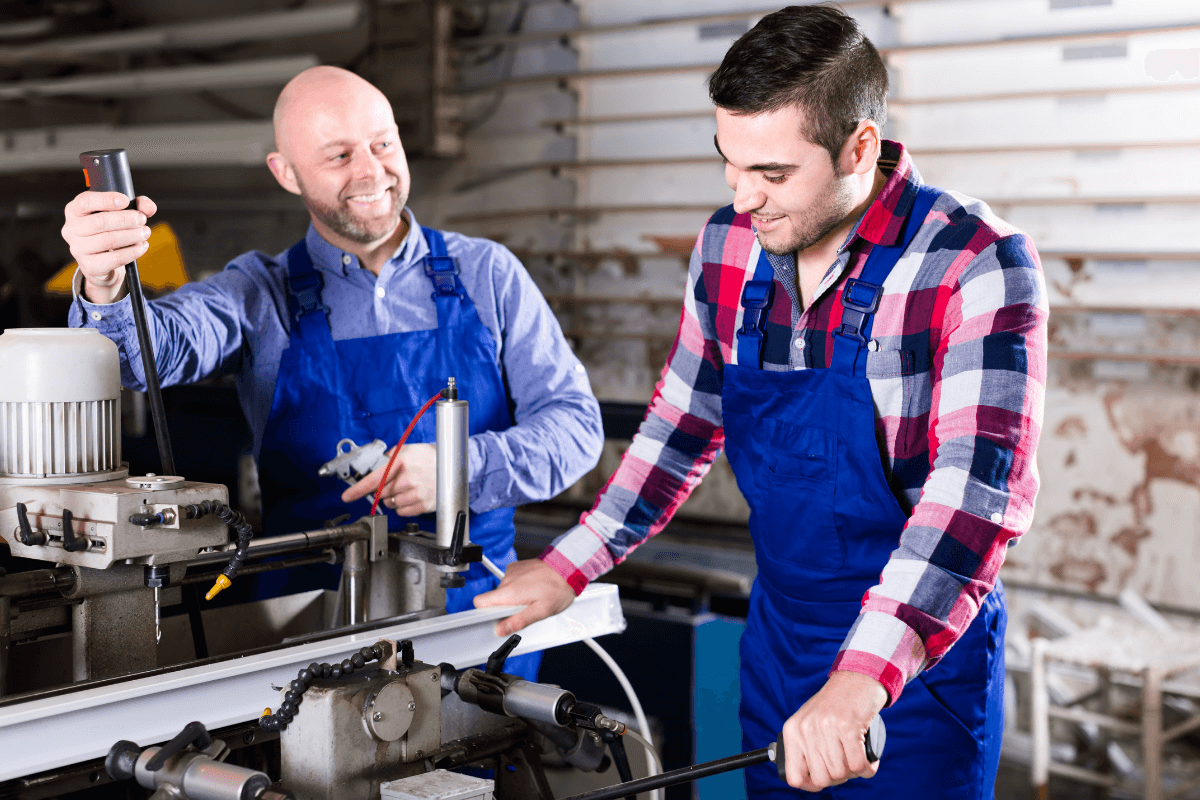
(108, 171)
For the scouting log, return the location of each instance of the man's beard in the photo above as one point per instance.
(342, 221)
(827, 214)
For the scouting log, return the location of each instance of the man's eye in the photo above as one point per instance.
(775, 178)
(384, 145)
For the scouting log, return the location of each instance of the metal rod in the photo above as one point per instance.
(355, 580)
(289, 543)
(153, 391)
(40, 581)
(677, 776)
(253, 569)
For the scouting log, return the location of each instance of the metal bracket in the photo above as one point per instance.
(422, 546)
(378, 540)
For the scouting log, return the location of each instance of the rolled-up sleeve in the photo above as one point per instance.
(989, 377)
(557, 436)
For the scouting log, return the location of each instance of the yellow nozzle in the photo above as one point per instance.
(266, 712)
(221, 584)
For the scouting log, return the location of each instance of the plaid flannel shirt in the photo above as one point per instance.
(957, 372)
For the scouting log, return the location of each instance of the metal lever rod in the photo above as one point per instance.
(108, 171)
(873, 742)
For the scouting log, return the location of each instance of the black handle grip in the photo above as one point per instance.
(108, 171)
(873, 742)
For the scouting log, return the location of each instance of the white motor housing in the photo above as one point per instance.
(60, 406)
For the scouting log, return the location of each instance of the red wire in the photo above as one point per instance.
(396, 452)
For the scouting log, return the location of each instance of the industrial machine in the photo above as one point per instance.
(94, 551)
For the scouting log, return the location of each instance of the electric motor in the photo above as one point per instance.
(60, 406)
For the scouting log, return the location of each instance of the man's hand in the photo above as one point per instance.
(530, 583)
(104, 237)
(824, 739)
(412, 484)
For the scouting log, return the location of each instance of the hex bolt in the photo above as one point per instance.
(378, 715)
(412, 706)
(434, 677)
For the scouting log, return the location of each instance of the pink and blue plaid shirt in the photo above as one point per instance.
(957, 369)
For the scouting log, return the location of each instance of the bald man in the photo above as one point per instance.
(348, 332)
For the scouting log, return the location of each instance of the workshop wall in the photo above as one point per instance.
(601, 179)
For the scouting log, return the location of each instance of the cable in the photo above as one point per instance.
(396, 451)
(234, 519)
(653, 763)
(638, 713)
(649, 747)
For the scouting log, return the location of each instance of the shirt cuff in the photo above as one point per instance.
(102, 316)
(579, 556)
(884, 648)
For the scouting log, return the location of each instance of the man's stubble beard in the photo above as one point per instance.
(342, 221)
(833, 208)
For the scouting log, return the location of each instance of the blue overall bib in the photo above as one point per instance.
(824, 522)
(370, 388)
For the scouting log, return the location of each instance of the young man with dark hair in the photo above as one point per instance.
(871, 354)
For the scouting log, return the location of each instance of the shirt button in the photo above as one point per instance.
(997, 517)
(379, 291)
(346, 259)
(799, 344)
(96, 315)
(873, 345)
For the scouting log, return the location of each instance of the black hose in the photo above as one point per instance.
(305, 677)
(234, 519)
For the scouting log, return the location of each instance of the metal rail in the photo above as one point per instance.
(83, 724)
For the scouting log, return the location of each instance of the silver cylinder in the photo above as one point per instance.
(355, 582)
(452, 433)
(537, 701)
(198, 777)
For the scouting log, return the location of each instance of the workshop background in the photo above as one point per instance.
(580, 135)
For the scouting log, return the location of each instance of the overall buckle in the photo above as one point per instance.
(756, 298)
(860, 300)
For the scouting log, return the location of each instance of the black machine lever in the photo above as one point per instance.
(194, 733)
(458, 539)
(71, 542)
(108, 171)
(25, 531)
(495, 662)
(873, 743)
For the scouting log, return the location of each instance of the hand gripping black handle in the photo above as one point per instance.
(108, 171)
(873, 742)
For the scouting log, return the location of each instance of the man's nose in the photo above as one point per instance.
(369, 167)
(746, 195)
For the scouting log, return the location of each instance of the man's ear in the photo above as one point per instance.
(861, 151)
(282, 169)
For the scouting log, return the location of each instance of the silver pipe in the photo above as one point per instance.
(289, 543)
(355, 583)
(452, 435)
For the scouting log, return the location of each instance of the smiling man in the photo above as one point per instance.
(348, 332)
(871, 354)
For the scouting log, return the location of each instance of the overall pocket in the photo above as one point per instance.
(796, 520)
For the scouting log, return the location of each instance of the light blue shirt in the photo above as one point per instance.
(236, 323)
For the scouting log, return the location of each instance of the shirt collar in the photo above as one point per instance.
(884, 219)
(325, 256)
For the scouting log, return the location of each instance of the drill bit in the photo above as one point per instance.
(157, 619)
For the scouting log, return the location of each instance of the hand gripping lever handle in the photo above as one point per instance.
(873, 741)
(108, 171)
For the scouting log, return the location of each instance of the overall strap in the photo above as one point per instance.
(309, 315)
(861, 295)
(757, 296)
(440, 267)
